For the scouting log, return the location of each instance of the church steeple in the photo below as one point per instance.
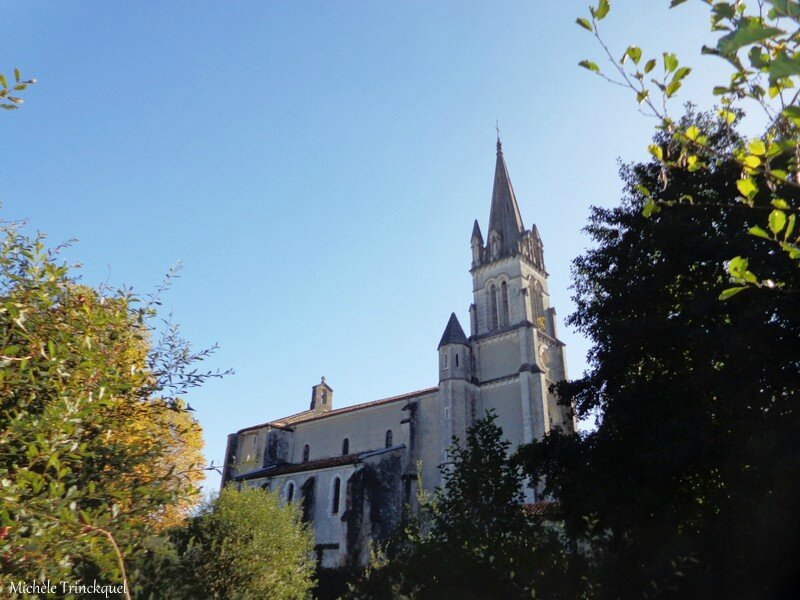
(505, 221)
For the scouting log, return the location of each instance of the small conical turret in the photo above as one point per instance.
(477, 244)
(476, 233)
(454, 352)
(538, 248)
(453, 333)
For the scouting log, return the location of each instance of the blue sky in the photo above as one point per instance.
(317, 166)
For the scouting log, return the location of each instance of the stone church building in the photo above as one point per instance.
(355, 469)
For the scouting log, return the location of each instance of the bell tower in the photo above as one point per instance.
(517, 355)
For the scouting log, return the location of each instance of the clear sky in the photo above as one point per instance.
(317, 166)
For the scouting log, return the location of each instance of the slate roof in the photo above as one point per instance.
(311, 415)
(453, 333)
(476, 232)
(504, 216)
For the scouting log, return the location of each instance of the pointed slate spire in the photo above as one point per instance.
(476, 233)
(453, 333)
(504, 217)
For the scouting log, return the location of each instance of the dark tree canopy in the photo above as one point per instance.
(689, 485)
(474, 540)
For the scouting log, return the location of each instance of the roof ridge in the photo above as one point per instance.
(284, 421)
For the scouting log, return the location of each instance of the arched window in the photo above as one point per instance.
(537, 304)
(290, 491)
(493, 306)
(324, 396)
(503, 303)
(337, 489)
(389, 437)
(306, 452)
(345, 446)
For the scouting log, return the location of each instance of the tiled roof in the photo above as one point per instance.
(311, 415)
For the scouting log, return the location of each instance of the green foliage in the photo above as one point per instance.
(8, 93)
(88, 448)
(473, 539)
(687, 488)
(243, 545)
(767, 80)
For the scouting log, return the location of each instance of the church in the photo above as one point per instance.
(356, 470)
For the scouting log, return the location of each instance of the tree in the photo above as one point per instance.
(687, 488)
(179, 461)
(768, 175)
(474, 539)
(91, 427)
(242, 544)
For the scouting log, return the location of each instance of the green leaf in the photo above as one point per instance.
(737, 266)
(584, 23)
(751, 161)
(3, 81)
(758, 59)
(656, 151)
(673, 87)
(780, 203)
(777, 221)
(587, 64)
(757, 147)
(723, 10)
(642, 96)
(747, 188)
(643, 191)
(783, 66)
(650, 208)
(787, 8)
(675, 3)
(789, 226)
(729, 116)
(759, 232)
(681, 73)
(16, 75)
(670, 62)
(731, 292)
(692, 133)
(649, 65)
(773, 150)
(792, 113)
(634, 53)
(602, 10)
(750, 31)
